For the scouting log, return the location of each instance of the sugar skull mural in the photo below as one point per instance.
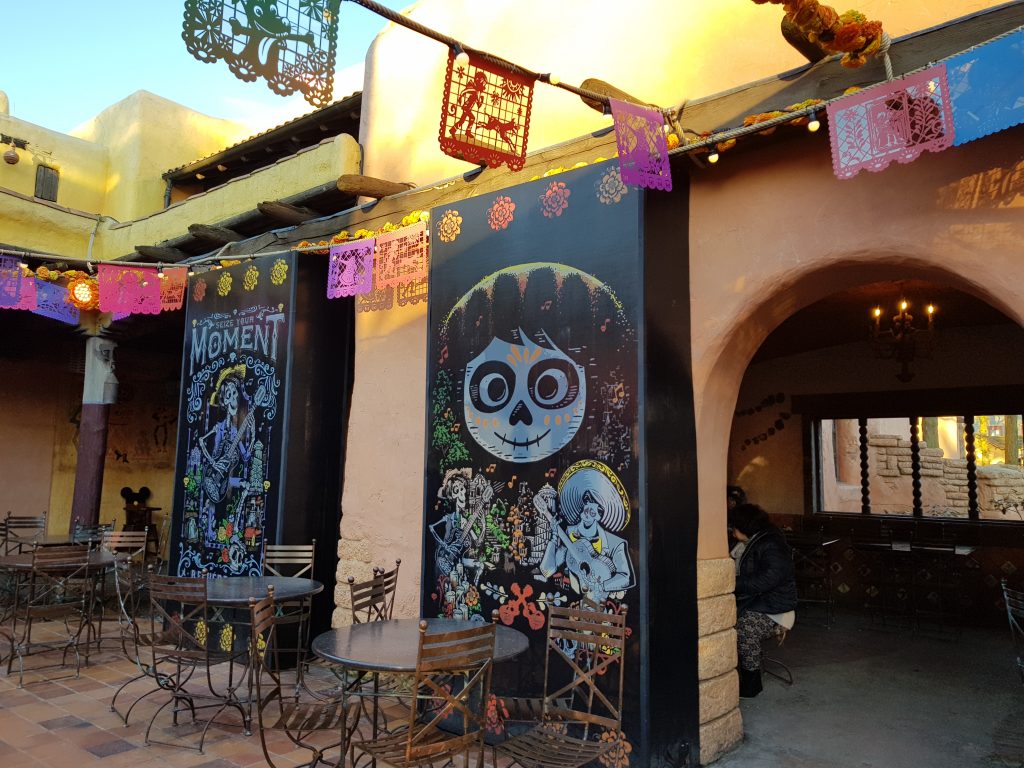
(532, 478)
(523, 400)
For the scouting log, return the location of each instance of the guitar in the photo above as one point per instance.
(217, 482)
(448, 555)
(593, 568)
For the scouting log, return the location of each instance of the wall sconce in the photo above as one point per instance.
(903, 340)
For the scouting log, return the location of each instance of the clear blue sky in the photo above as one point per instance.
(64, 61)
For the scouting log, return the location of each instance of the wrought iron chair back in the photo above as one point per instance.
(1014, 600)
(21, 531)
(602, 638)
(58, 589)
(442, 657)
(184, 640)
(590, 646)
(289, 559)
(90, 531)
(295, 560)
(297, 715)
(374, 599)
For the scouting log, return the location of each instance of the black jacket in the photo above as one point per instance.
(765, 580)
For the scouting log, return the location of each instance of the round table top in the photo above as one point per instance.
(391, 646)
(237, 590)
(98, 558)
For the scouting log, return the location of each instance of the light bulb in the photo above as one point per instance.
(554, 79)
(462, 58)
(713, 158)
(814, 124)
(877, 312)
(930, 309)
(161, 274)
(903, 306)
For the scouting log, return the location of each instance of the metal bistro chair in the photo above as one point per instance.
(294, 560)
(134, 626)
(58, 591)
(374, 599)
(21, 531)
(442, 657)
(299, 717)
(1014, 600)
(582, 648)
(184, 641)
(89, 532)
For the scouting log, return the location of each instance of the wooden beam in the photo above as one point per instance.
(289, 214)
(606, 89)
(213, 234)
(367, 186)
(161, 253)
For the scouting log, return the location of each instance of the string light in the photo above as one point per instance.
(814, 123)
(461, 58)
(713, 158)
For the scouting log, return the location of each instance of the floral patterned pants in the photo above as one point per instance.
(752, 629)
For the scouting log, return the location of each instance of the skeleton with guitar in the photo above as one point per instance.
(595, 559)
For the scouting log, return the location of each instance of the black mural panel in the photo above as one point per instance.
(230, 435)
(532, 467)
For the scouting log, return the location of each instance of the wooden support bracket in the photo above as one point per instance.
(161, 253)
(367, 186)
(284, 212)
(213, 234)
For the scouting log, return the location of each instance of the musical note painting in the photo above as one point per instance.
(532, 470)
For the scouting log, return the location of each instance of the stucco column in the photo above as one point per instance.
(98, 393)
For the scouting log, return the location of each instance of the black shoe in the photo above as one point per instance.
(750, 683)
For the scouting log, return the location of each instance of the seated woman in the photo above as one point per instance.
(765, 588)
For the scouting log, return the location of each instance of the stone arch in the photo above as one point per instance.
(716, 397)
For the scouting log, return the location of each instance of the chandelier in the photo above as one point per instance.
(905, 338)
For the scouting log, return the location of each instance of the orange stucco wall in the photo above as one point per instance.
(775, 231)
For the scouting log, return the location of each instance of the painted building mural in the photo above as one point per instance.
(532, 480)
(230, 421)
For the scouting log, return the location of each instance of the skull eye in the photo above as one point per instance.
(553, 383)
(491, 386)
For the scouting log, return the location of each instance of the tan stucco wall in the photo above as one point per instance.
(308, 168)
(145, 135)
(805, 235)
(713, 47)
(82, 164)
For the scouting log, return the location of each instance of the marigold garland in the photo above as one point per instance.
(324, 246)
(850, 33)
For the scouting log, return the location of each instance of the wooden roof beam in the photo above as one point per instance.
(161, 253)
(367, 186)
(213, 234)
(289, 214)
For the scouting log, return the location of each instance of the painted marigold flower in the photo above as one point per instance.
(610, 188)
(279, 272)
(501, 214)
(555, 199)
(617, 756)
(224, 284)
(252, 276)
(450, 226)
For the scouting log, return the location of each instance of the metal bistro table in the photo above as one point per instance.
(392, 646)
(100, 561)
